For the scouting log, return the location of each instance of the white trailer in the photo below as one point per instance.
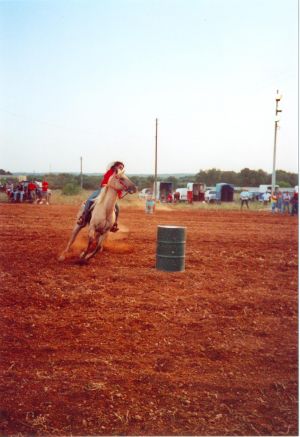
(266, 188)
(182, 194)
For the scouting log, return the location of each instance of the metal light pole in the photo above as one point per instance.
(155, 171)
(277, 110)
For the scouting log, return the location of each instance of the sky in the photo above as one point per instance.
(89, 78)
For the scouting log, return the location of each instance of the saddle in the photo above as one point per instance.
(85, 219)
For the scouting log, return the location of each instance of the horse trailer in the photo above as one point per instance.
(163, 189)
(198, 190)
(224, 192)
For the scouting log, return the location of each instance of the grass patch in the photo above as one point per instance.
(132, 200)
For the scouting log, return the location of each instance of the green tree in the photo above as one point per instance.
(231, 177)
(89, 182)
(201, 176)
(245, 177)
(262, 178)
(214, 176)
(290, 178)
(174, 181)
(209, 177)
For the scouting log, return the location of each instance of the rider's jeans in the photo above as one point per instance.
(89, 202)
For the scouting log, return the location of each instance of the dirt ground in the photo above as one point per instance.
(116, 347)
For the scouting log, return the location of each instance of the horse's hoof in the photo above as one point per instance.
(61, 258)
(82, 255)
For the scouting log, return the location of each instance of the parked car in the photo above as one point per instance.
(145, 192)
(254, 195)
(210, 196)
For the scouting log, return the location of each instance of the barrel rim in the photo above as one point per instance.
(171, 226)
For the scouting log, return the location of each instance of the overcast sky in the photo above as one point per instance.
(88, 78)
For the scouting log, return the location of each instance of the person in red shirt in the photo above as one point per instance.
(31, 191)
(44, 193)
(85, 215)
(190, 197)
(170, 198)
(45, 185)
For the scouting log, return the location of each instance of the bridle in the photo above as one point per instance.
(122, 183)
(125, 188)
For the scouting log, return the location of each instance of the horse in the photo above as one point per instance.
(102, 216)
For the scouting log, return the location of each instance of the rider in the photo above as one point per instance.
(113, 168)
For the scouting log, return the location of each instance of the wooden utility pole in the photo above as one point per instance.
(278, 98)
(155, 171)
(81, 176)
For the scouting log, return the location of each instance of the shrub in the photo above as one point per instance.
(70, 189)
(284, 184)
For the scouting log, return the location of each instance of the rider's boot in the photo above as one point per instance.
(80, 220)
(114, 227)
(83, 216)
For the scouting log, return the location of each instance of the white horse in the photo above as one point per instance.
(103, 215)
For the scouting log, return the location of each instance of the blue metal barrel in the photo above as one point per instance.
(170, 252)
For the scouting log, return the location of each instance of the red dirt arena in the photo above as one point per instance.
(117, 347)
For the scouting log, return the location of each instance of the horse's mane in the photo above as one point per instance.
(100, 197)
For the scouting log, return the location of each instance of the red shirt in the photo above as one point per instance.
(106, 177)
(105, 180)
(45, 186)
(31, 186)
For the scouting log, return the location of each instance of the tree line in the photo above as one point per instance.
(245, 178)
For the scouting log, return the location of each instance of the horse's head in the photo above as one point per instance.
(120, 181)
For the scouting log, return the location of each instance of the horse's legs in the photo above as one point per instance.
(92, 242)
(77, 228)
(98, 241)
(75, 232)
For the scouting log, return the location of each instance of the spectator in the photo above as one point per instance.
(279, 201)
(32, 191)
(286, 199)
(266, 197)
(176, 197)
(9, 190)
(19, 193)
(190, 196)
(45, 186)
(273, 202)
(150, 205)
(49, 195)
(38, 191)
(244, 197)
(169, 198)
(294, 203)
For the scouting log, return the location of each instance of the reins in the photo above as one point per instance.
(125, 188)
(126, 192)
